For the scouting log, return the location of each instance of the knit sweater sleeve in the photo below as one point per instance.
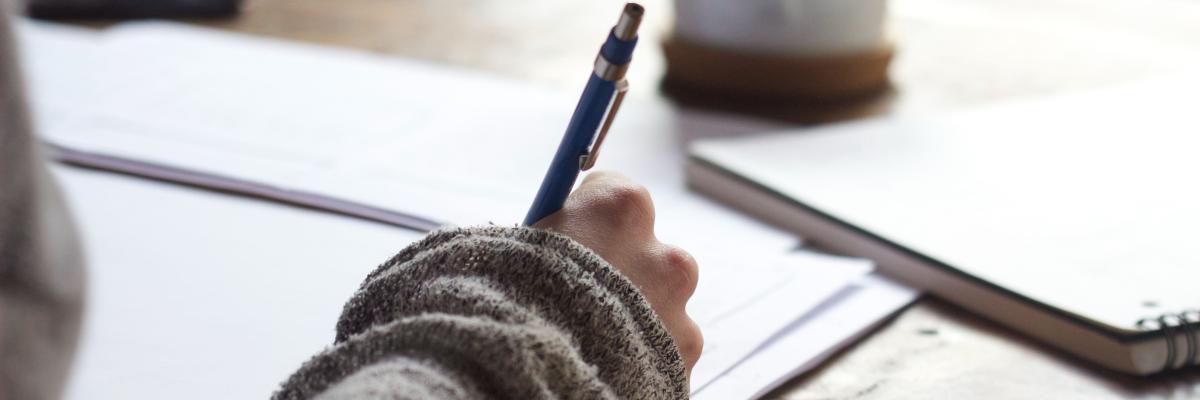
(41, 265)
(494, 312)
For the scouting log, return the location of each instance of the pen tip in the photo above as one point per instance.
(634, 9)
(631, 17)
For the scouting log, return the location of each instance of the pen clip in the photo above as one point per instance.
(589, 157)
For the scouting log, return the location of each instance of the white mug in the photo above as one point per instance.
(791, 27)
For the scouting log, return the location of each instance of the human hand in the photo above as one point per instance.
(614, 217)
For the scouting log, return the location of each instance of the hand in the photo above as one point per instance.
(614, 217)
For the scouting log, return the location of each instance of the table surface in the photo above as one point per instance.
(951, 55)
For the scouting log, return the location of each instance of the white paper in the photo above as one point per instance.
(810, 340)
(198, 295)
(743, 302)
(429, 140)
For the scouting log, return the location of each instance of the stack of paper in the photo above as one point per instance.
(447, 144)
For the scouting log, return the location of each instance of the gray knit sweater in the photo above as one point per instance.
(41, 267)
(495, 313)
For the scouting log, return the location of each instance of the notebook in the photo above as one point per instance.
(1071, 219)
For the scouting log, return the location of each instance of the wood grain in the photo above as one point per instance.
(950, 55)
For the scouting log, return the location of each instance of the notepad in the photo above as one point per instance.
(392, 135)
(1071, 219)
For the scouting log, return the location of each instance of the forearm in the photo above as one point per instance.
(510, 312)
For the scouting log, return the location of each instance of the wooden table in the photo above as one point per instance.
(951, 54)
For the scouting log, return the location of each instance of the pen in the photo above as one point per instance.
(593, 116)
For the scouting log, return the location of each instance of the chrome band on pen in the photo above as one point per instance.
(608, 71)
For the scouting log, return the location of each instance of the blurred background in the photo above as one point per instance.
(949, 54)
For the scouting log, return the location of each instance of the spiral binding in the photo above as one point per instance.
(1186, 323)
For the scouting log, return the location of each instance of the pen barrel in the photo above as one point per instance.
(614, 58)
(564, 168)
(590, 112)
(617, 51)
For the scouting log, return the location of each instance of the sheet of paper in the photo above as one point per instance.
(810, 340)
(738, 309)
(450, 144)
(199, 295)
(430, 140)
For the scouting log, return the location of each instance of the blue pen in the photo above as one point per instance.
(593, 116)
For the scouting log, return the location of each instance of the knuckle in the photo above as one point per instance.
(691, 343)
(630, 195)
(682, 269)
(627, 203)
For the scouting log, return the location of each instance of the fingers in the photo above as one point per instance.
(680, 274)
(689, 340)
(615, 202)
(614, 217)
(678, 271)
(609, 214)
